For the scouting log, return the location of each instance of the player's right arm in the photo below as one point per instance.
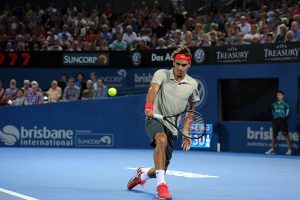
(151, 95)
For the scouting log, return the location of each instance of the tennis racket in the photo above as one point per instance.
(190, 122)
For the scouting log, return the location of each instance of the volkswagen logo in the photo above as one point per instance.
(202, 88)
(199, 56)
(136, 58)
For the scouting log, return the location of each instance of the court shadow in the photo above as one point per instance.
(153, 196)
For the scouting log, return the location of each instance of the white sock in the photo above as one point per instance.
(145, 176)
(160, 176)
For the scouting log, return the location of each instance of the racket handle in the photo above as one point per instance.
(157, 116)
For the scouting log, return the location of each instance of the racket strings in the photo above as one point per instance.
(191, 123)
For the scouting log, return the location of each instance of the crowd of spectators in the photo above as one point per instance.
(28, 28)
(66, 89)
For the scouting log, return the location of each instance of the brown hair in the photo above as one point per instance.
(182, 50)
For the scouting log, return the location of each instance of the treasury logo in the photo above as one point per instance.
(136, 58)
(9, 135)
(199, 56)
(281, 52)
(232, 55)
(202, 88)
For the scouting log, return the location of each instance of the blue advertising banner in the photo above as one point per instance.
(254, 137)
(111, 123)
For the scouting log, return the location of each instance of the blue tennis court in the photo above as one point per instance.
(93, 174)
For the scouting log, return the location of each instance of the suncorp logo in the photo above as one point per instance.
(202, 88)
(85, 59)
(88, 139)
(35, 136)
(116, 80)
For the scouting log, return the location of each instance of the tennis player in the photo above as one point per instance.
(170, 92)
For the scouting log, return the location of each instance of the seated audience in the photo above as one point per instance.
(101, 89)
(88, 93)
(11, 92)
(54, 93)
(34, 96)
(20, 100)
(71, 92)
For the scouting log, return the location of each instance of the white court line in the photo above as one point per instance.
(22, 196)
(181, 173)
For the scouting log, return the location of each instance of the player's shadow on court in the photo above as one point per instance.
(153, 196)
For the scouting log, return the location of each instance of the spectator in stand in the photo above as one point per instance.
(11, 92)
(62, 83)
(161, 44)
(103, 46)
(270, 38)
(253, 37)
(101, 89)
(129, 36)
(118, 44)
(26, 87)
(244, 26)
(34, 97)
(80, 83)
(296, 8)
(289, 37)
(54, 93)
(1, 90)
(264, 33)
(93, 77)
(206, 41)
(143, 45)
(65, 33)
(72, 92)
(296, 30)
(282, 32)
(105, 34)
(89, 92)
(188, 40)
(20, 100)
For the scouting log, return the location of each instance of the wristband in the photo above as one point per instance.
(149, 106)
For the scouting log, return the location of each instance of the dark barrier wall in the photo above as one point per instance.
(234, 136)
(113, 122)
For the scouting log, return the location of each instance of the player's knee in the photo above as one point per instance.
(161, 140)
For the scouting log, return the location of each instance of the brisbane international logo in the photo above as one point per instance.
(9, 135)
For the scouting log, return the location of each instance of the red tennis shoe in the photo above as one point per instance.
(136, 180)
(163, 192)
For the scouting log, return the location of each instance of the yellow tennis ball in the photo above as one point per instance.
(112, 92)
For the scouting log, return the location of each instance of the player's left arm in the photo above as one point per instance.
(186, 142)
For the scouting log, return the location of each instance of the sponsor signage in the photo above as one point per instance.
(35, 136)
(281, 52)
(261, 53)
(85, 59)
(205, 141)
(262, 137)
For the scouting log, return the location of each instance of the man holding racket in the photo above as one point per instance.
(171, 92)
